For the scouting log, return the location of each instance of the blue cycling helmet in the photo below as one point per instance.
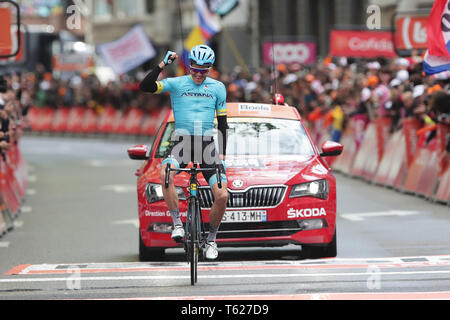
(202, 55)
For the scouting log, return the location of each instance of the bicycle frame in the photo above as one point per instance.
(194, 231)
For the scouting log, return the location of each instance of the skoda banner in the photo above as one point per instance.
(221, 7)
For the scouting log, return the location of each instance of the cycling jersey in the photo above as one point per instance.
(194, 106)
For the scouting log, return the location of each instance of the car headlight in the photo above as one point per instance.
(317, 189)
(154, 192)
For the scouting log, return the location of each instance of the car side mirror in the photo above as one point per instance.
(139, 152)
(331, 148)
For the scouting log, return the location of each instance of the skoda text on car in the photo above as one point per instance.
(281, 191)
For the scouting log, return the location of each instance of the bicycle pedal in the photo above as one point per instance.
(178, 240)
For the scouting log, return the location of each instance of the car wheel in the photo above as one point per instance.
(317, 252)
(149, 254)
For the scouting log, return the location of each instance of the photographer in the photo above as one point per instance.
(4, 129)
(439, 105)
(4, 118)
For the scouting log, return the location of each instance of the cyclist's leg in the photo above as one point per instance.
(170, 194)
(219, 205)
(220, 194)
(175, 160)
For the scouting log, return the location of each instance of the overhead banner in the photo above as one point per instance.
(289, 52)
(129, 52)
(20, 57)
(361, 44)
(72, 62)
(5, 35)
(410, 32)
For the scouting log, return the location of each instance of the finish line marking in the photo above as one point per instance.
(323, 264)
(438, 295)
(74, 277)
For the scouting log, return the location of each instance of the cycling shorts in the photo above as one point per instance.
(201, 149)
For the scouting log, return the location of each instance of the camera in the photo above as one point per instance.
(3, 85)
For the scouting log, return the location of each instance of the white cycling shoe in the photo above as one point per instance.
(210, 251)
(178, 233)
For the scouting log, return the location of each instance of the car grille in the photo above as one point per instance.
(256, 229)
(253, 197)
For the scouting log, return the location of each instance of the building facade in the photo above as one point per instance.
(168, 22)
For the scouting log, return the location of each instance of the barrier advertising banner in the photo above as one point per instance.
(362, 44)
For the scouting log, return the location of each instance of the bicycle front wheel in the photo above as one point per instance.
(193, 245)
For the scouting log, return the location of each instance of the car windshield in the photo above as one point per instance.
(255, 136)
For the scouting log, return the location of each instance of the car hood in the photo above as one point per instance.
(260, 170)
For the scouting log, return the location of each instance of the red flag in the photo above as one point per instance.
(435, 34)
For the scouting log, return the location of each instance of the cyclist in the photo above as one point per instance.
(195, 100)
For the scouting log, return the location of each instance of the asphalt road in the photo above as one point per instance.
(77, 238)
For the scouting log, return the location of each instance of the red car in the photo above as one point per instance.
(281, 191)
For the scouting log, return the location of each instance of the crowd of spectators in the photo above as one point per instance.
(13, 107)
(333, 89)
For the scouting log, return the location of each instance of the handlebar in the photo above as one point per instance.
(192, 170)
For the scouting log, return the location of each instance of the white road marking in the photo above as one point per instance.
(31, 192)
(228, 276)
(4, 244)
(328, 263)
(26, 209)
(18, 223)
(119, 188)
(134, 222)
(362, 216)
(31, 178)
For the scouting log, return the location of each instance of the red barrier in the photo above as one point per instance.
(44, 119)
(383, 135)
(109, 120)
(21, 172)
(319, 131)
(428, 164)
(343, 163)
(106, 119)
(410, 127)
(397, 155)
(61, 120)
(152, 121)
(12, 187)
(33, 117)
(90, 121)
(443, 191)
(12, 201)
(81, 119)
(75, 121)
(131, 122)
(393, 165)
(366, 154)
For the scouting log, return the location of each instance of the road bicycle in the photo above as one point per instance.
(195, 235)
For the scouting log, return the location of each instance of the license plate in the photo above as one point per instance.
(245, 216)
